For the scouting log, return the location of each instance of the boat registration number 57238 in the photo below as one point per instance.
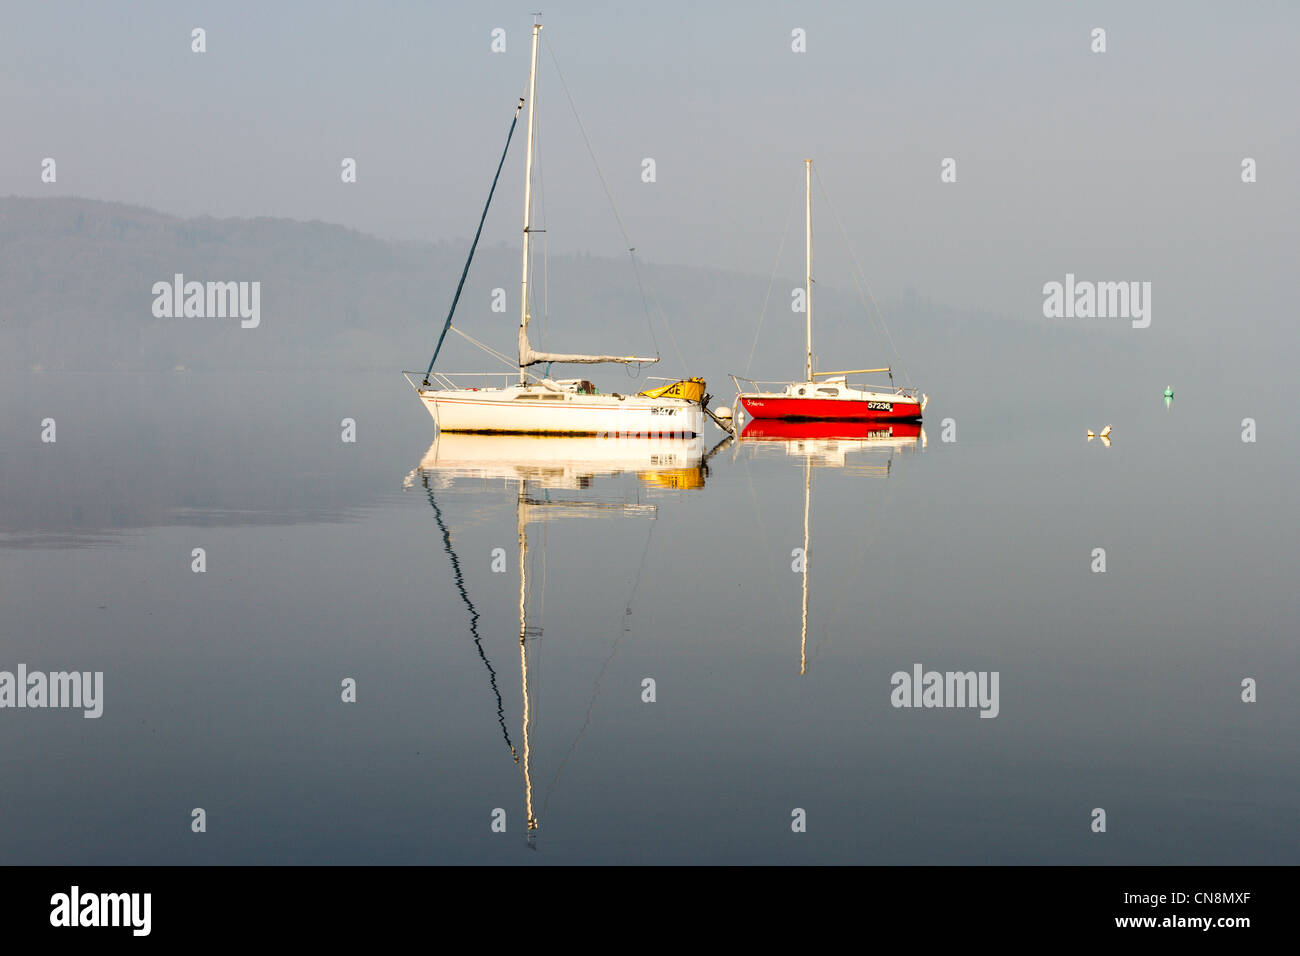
(881, 406)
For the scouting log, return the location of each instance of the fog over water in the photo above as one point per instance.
(411, 563)
(222, 689)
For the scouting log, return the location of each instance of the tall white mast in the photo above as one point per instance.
(528, 197)
(527, 354)
(807, 165)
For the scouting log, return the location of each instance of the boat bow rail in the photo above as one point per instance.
(455, 381)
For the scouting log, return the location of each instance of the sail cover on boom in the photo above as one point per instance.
(529, 356)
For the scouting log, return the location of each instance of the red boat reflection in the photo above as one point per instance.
(775, 429)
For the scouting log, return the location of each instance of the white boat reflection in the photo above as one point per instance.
(538, 466)
(551, 462)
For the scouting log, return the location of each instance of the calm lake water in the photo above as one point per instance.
(395, 561)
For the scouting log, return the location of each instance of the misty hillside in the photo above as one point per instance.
(76, 278)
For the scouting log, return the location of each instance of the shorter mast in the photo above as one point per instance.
(807, 289)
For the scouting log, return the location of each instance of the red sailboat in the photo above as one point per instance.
(828, 396)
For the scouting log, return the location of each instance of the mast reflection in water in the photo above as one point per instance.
(536, 466)
(828, 444)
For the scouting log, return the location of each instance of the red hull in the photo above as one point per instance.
(823, 409)
(778, 430)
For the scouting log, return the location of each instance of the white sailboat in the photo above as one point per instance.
(540, 404)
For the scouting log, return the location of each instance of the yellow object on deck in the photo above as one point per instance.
(691, 389)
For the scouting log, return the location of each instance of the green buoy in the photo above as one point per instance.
(1169, 391)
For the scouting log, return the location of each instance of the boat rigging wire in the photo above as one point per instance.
(663, 317)
(486, 348)
(591, 706)
(770, 282)
(474, 245)
(758, 518)
(459, 577)
(860, 277)
(546, 240)
(613, 207)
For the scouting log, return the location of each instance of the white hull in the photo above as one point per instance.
(541, 410)
(558, 462)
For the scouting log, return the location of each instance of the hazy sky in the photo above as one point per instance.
(1123, 165)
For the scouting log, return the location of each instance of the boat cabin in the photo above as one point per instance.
(827, 388)
(579, 386)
